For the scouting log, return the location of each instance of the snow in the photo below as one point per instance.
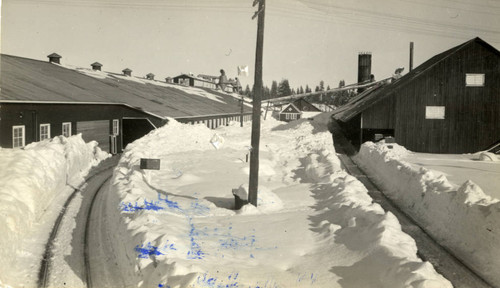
(34, 184)
(460, 216)
(458, 168)
(314, 226)
(188, 89)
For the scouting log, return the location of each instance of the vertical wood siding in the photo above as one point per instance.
(472, 114)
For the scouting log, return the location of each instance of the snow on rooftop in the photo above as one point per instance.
(103, 75)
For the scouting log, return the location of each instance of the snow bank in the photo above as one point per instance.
(34, 183)
(315, 225)
(465, 219)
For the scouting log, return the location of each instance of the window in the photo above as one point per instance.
(66, 129)
(17, 136)
(474, 80)
(290, 116)
(44, 131)
(434, 112)
(116, 126)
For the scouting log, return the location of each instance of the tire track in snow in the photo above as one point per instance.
(87, 235)
(45, 265)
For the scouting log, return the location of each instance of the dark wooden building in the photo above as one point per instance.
(190, 80)
(289, 113)
(449, 104)
(299, 108)
(40, 100)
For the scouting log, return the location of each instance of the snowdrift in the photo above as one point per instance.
(315, 226)
(464, 220)
(34, 183)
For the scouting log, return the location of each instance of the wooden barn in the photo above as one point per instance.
(449, 104)
(299, 108)
(40, 100)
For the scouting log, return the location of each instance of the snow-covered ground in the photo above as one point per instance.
(461, 215)
(459, 168)
(315, 225)
(34, 184)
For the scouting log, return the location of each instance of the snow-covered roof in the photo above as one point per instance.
(33, 80)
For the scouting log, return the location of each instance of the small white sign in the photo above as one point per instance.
(474, 80)
(434, 112)
(217, 141)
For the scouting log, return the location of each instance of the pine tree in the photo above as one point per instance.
(247, 91)
(284, 88)
(342, 97)
(274, 89)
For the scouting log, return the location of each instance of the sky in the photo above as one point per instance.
(305, 41)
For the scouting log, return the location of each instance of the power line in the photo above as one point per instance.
(385, 21)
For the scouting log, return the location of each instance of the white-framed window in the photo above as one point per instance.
(18, 138)
(66, 129)
(116, 126)
(44, 131)
(290, 116)
(434, 112)
(474, 80)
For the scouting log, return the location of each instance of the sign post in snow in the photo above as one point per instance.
(257, 88)
(150, 164)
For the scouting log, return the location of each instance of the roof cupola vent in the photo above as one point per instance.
(55, 58)
(127, 72)
(96, 66)
(150, 76)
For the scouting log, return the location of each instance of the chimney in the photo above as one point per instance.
(96, 66)
(150, 76)
(364, 68)
(127, 72)
(411, 56)
(54, 58)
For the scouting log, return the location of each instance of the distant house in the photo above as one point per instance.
(289, 113)
(40, 100)
(299, 108)
(191, 80)
(449, 104)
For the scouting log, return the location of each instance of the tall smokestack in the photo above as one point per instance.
(364, 68)
(411, 56)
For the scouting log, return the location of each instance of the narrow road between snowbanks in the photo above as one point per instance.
(65, 262)
(442, 260)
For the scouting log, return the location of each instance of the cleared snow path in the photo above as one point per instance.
(444, 263)
(66, 262)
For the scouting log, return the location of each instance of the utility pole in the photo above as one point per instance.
(241, 111)
(257, 88)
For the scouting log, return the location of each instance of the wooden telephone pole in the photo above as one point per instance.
(258, 90)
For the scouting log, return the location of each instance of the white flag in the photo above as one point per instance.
(242, 70)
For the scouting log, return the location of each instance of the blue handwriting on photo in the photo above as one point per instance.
(148, 250)
(226, 239)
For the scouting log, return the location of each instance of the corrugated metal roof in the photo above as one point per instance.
(33, 80)
(373, 95)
